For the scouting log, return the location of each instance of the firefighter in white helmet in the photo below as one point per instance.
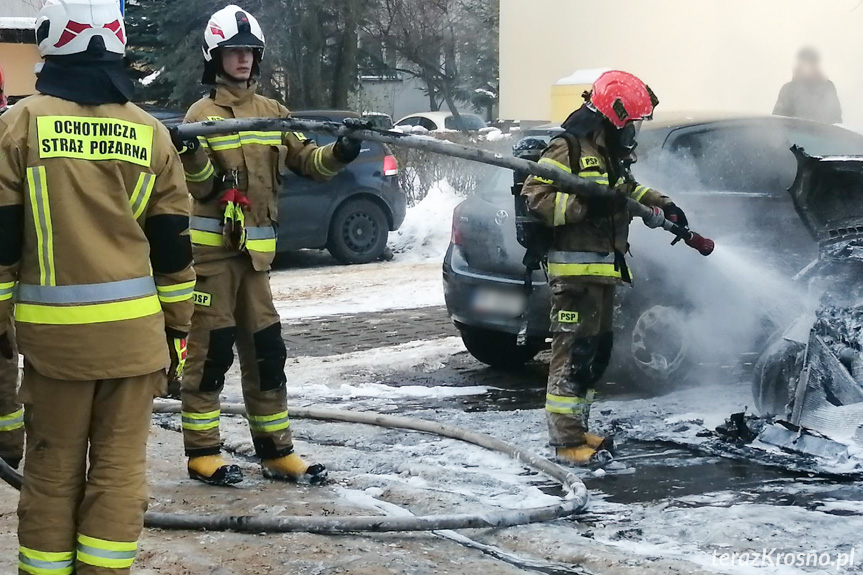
(234, 180)
(94, 217)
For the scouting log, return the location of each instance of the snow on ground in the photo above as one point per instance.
(412, 280)
(304, 293)
(425, 233)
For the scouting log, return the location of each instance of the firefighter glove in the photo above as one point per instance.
(675, 215)
(183, 145)
(347, 149)
(177, 350)
(656, 218)
(235, 204)
(6, 346)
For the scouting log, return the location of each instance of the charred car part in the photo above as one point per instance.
(812, 374)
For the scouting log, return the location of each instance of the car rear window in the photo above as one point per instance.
(464, 122)
(498, 183)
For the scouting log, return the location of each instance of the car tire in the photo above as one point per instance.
(497, 349)
(358, 232)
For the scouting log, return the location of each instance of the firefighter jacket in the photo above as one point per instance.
(94, 246)
(251, 161)
(586, 246)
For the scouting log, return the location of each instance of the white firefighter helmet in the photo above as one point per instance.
(233, 27)
(66, 27)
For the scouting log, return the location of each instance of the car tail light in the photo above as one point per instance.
(391, 166)
(457, 236)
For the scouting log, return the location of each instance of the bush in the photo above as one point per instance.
(420, 170)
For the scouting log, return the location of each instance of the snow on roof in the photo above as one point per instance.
(17, 23)
(585, 76)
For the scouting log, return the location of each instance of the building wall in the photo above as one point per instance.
(728, 55)
(18, 61)
(398, 98)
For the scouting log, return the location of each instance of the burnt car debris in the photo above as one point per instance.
(810, 378)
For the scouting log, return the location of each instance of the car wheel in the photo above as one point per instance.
(497, 349)
(358, 232)
(659, 344)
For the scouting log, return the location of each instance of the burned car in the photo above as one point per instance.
(810, 378)
(730, 174)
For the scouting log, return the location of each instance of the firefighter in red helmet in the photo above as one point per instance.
(586, 260)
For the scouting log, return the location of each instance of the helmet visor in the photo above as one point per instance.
(627, 135)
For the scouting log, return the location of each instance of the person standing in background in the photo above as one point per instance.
(809, 95)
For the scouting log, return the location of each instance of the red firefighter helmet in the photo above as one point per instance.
(2, 93)
(622, 98)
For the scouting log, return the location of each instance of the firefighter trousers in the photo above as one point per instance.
(581, 324)
(234, 305)
(11, 412)
(71, 518)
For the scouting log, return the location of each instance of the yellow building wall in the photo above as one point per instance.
(18, 61)
(725, 55)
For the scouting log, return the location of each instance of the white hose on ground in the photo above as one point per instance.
(575, 501)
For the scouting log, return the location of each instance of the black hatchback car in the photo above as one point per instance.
(731, 175)
(352, 214)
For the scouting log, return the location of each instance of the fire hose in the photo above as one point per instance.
(575, 501)
(357, 129)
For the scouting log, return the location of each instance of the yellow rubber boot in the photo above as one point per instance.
(294, 468)
(214, 470)
(599, 442)
(581, 455)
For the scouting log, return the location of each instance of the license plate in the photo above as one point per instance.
(499, 302)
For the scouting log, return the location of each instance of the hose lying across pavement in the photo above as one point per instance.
(575, 501)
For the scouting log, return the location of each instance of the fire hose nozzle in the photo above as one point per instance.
(704, 246)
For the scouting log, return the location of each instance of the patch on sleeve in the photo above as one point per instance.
(215, 118)
(589, 162)
(203, 299)
(567, 317)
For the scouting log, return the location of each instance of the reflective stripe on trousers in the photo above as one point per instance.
(87, 303)
(107, 554)
(579, 264)
(269, 423)
(12, 421)
(563, 405)
(45, 562)
(200, 421)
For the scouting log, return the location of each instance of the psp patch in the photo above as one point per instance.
(567, 317)
(202, 299)
(589, 162)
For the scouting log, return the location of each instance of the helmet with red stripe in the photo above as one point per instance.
(67, 27)
(622, 98)
(233, 27)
